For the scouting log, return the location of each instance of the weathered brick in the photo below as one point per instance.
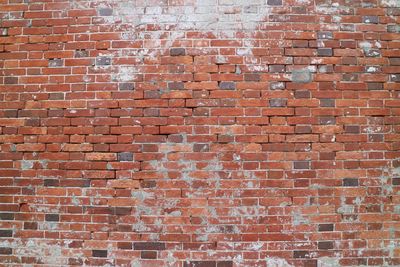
(274, 2)
(105, 11)
(227, 85)
(125, 156)
(278, 102)
(103, 61)
(126, 86)
(370, 19)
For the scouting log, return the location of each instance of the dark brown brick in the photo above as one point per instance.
(301, 165)
(276, 68)
(7, 216)
(125, 156)
(200, 264)
(301, 254)
(325, 227)
(99, 253)
(5, 251)
(148, 254)
(375, 86)
(6, 233)
(324, 52)
(124, 245)
(252, 77)
(224, 263)
(10, 80)
(177, 51)
(52, 217)
(302, 94)
(148, 246)
(126, 86)
(303, 129)
(354, 129)
(30, 225)
(327, 120)
(324, 245)
(350, 182)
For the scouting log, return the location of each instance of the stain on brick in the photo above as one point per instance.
(56, 62)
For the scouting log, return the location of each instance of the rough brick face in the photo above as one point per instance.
(201, 133)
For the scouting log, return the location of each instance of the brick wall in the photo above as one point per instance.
(200, 133)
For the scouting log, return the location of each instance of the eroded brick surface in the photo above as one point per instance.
(216, 133)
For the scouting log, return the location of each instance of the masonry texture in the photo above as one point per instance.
(200, 133)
